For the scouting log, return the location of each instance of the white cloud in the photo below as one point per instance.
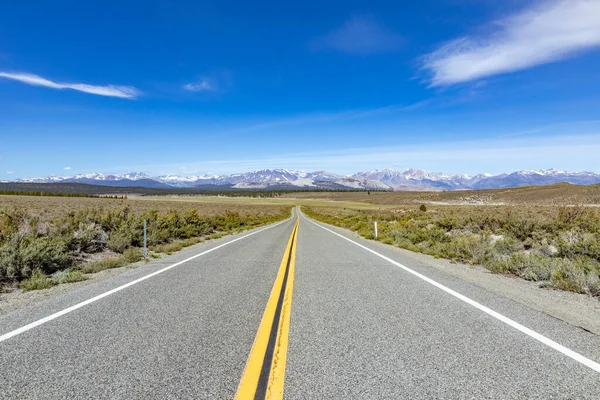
(126, 92)
(547, 32)
(67, 168)
(204, 85)
(9, 172)
(361, 34)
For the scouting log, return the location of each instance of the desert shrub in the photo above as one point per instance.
(68, 276)
(132, 255)
(533, 267)
(119, 241)
(544, 248)
(469, 248)
(574, 244)
(508, 246)
(89, 238)
(448, 222)
(521, 229)
(37, 281)
(423, 208)
(9, 263)
(567, 216)
(569, 279)
(44, 253)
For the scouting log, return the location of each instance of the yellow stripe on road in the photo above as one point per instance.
(270, 345)
(277, 375)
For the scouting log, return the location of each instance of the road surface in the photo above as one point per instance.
(297, 310)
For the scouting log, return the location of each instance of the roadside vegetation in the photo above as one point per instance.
(40, 248)
(558, 247)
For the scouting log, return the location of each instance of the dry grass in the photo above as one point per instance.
(559, 194)
(50, 208)
(305, 199)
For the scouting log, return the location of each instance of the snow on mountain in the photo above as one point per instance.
(323, 176)
(536, 177)
(94, 176)
(425, 180)
(134, 176)
(364, 184)
(187, 181)
(267, 175)
(386, 179)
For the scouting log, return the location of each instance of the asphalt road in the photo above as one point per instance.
(361, 327)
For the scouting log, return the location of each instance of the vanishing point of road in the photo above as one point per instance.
(295, 310)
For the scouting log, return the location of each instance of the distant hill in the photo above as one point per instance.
(547, 195)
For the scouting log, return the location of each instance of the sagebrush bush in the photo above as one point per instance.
(37, 281)
(133, 255)
(46, 254)
(89, 238)
(119, 241)
(67, 276)
(508, 245)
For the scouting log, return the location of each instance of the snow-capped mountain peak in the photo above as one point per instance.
(384, 179)
(134, 176)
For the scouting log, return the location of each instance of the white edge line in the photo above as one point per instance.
(537, 336)
(51, 317)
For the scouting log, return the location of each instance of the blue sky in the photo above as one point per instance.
(220, 87)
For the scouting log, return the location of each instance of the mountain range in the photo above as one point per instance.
(386, 179)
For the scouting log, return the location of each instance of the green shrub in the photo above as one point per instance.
(508, 246)
(44, 253)
(37, 281)
(580, 244)
(9, 263)
(470, 248)
(521, 229)
(68, 276)
(132, 255)
(89, 238)
(119, 241)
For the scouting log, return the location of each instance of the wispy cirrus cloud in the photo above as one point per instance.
(361, 34)
(203, 86)
(9, 172)
(67, 168)
(546, 32)
(126, 92)
(216, 81)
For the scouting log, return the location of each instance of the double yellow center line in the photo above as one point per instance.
(265, 369)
